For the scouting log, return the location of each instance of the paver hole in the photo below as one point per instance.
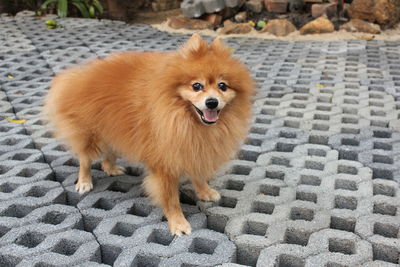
(380, 123)
(263, 207)
(350, 142)
(72, 162)
(383, 146)
(324, 108)
(386, 230)
(7, 187)
(253, 142)
(275, 175)
(318, 139)
(228, 202)
(310, 180)
(269, 190)
(382, 134)
(291, 124)
(203, 246)
(119, 186)
(20, 156)
(284, 147)
(345, 130)
(321, 117)
(285, 260)
(385, 253)
(286, 134)
(378, 113)
(279, 161)
(346, 185)
(380, 189)
(234, 185)
(109, 254)
(146, 261)
(258, 130)
(382, 174)
(349, 120)
(316, 152)
(242, 170)
(66, 247)
(314, 165)
(263, 121)
(104, 204)
(347, 169)
(139, 210)
(295, 114)
(343, 246)
(255, 228)
(344, 224)
(248, 155)
(297, 105)
(382, 159)
(30, 239)
(350, 101)
(9, 142)
(297, 213)
(36, 191)
(123, 229)
(27, 172)
(268, 111)
(161, 237)
(385, 209)
(53, 217)
(16, 211)
(306, 196)
(320, 127)
(298, 237)
(343, 202)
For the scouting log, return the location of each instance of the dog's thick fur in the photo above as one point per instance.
(140, 106)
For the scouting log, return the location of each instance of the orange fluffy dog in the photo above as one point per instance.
(181, 113)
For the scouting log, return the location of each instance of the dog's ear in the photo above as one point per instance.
(218, 45)
(194, 46)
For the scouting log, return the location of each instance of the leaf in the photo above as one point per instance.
(98, 6)
(15, 121)
(62, 8)
(10, 76)
(320, 85)
(367, 37)
(82, 8)
(46, 3)
(92, 12)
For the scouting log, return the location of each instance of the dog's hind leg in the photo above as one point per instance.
(164, 191)
(84, 183)
(109, 165)
(204, 191)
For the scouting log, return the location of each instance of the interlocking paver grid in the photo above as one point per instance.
(316, 183)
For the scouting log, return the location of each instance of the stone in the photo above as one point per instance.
(358, 25)
(384, 12)
(255, 6)
(276, 6)
(328, 9)
(296, 5)
(319, 25)
(235, 28)
(214, 19)
(241, 16)
(190, 24)
(279, 27)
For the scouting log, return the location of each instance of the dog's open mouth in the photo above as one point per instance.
(208, 116)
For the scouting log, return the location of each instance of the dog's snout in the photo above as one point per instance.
(212, 103)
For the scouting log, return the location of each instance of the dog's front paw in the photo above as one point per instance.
(209, 194)
(179, 226)
(114, 170)
(83, 187)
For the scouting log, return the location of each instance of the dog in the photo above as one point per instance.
(181, 113)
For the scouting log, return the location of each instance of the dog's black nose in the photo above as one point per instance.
(212, 103)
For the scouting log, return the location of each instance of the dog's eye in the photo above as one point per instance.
(222, 86)
(197, 86)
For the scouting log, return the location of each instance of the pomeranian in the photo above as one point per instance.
(181, 113)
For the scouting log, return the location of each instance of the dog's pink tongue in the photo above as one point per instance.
(210, 115)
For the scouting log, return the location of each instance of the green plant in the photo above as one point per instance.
(88, 8)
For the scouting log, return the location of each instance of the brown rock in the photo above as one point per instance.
(276, 6)
(190, 24)
(320, 25)
(358, 25)
(328, 9)
(241, 16)
(279, 27)
(235, 28)
(255, 6)
(215, 19)
(385, 12)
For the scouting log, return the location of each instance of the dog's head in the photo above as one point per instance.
(209, 78)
